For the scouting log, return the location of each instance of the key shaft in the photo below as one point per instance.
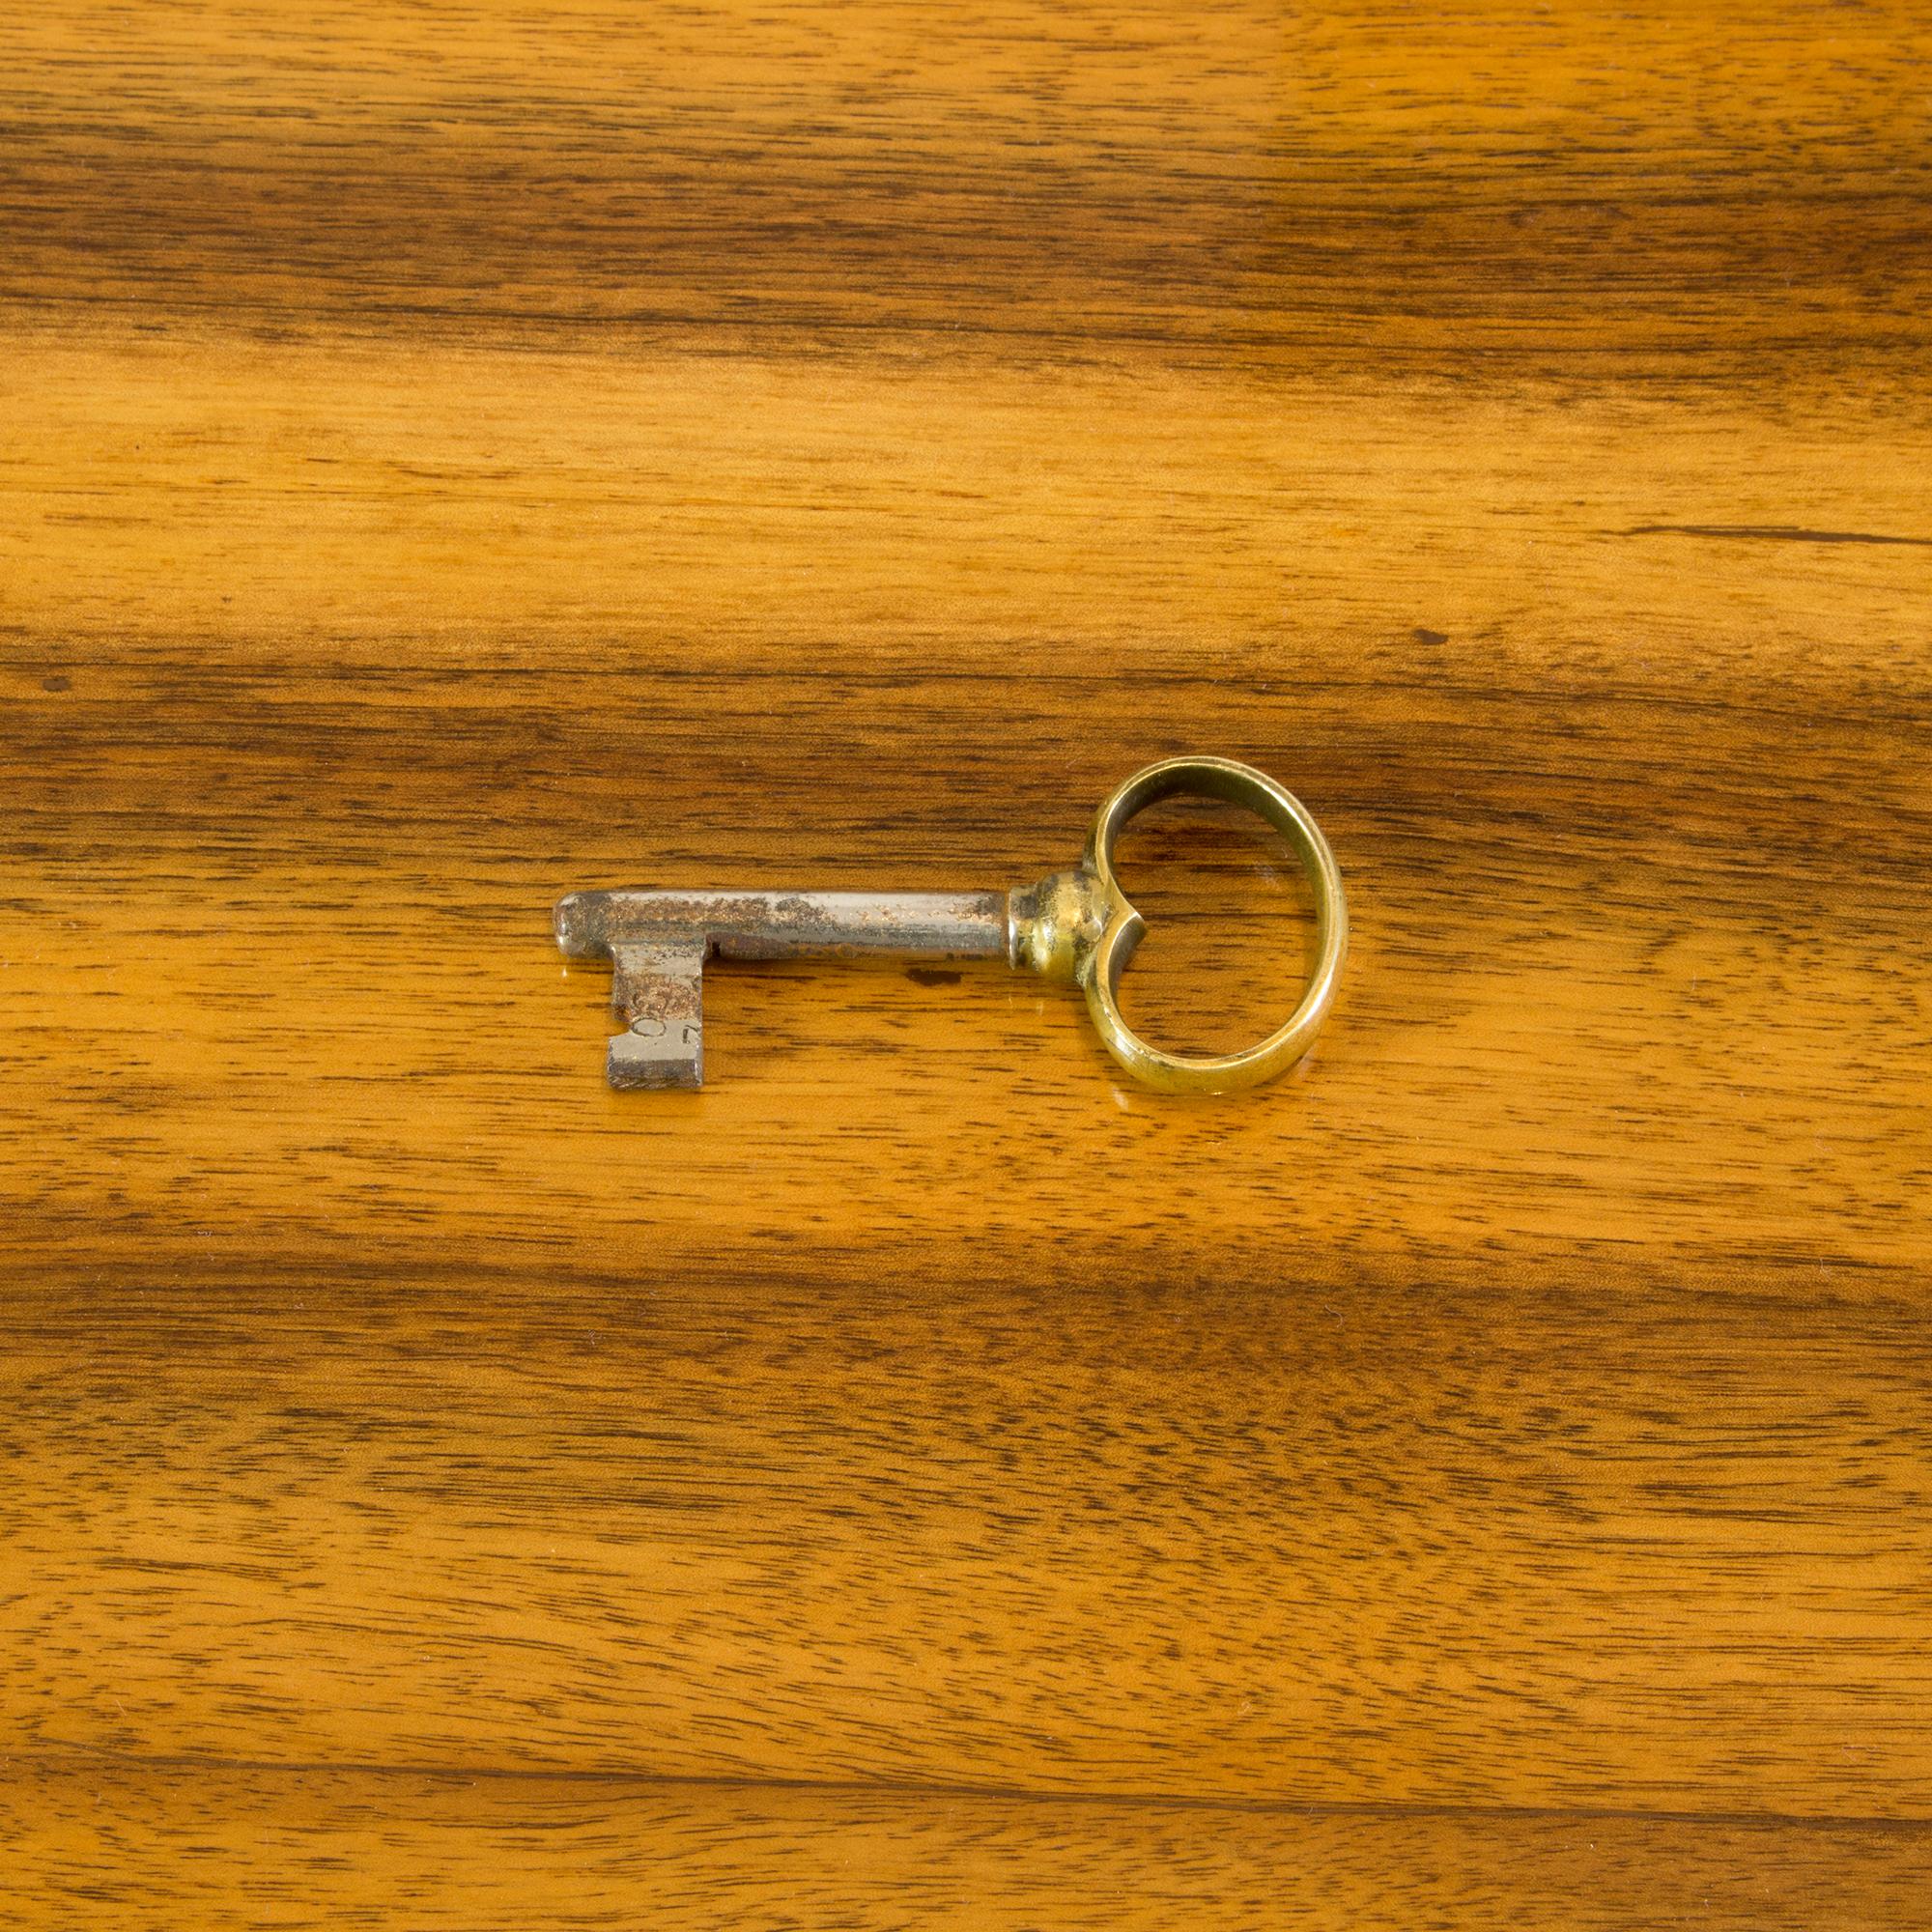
(789, 926)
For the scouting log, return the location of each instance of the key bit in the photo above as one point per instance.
(1074, 925)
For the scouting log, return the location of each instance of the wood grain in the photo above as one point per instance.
(1381, 1539)
(335, 1848)
(1651, 189)
(454, 455)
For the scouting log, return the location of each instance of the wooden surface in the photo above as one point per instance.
(456, 454)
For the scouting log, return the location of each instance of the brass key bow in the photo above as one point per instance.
(1076, 926)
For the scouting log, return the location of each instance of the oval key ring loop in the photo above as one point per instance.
(1236, 784)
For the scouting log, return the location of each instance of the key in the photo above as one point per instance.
(1075, 927)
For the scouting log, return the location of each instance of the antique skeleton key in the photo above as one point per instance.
(1074, 927)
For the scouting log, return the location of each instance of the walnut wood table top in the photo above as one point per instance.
(456, 454)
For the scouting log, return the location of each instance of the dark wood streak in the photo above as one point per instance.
(1244, 182)
(377, 1847)
(555, 1522)
(1771, 533)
